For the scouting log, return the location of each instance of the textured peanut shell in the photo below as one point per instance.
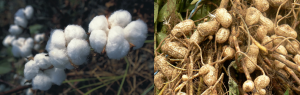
(278, 64)
(223, 17)
(277, 3)
(267, 23)
(229, 51)
(283, 72)
(290, 48)
(261, 81)
(211, 77)
(222, 35)
(208, 28)
(281, 49)
(286, 31)
(261, 5)
(181, 93)
(248, 86)
(277, 41)
(267, 42)
(261, 32)
(253, 53)
(196, 37)
(297, 59)
(164, 67)
(158, 80)
(252, 16)
(262, 91)
(185, 26)
(174, 49)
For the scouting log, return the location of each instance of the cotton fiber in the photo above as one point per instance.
(59, 58)
(15, 30)
(56, 75)
(78, 50)
(28, 11)
(119, 18)
(136, 33)
(41, 81)
(31, 69)
(117, 46)
(98, 40)
(42, 60)
(99, 23)
(74, 31)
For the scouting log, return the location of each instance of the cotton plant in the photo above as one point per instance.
(38, 38)
(22, 47)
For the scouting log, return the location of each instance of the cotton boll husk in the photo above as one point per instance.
(57, 75)
(99, 23)
(21, 21)
(136, 33)
(59, 58)
(119, 18)
(42, 60)
(28, 11)
(116, 47)
(78, 50)
(31, 69)
(98, 40)
(8, 40)
(15, 30)
(58, 39)
(41, 81)
(74, 31)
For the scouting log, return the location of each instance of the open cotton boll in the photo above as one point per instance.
(42, 60)
(8, 40)
(78, 50)
(57, 40)
(30, 70)
(16, 48)
(28, 11)
(74, 31)
(59, 58)
(41, 81)
(119, 18)
(99, 23)
(21, 41)
(29, 42)
(98, 40)
(56, 75)
(136, 33)
(117, 46)
(25, 50)
(69, 66)
(37, 47)
(20, 13)
(15, 30)
(21, 21)
(39, 37)
(49, 45)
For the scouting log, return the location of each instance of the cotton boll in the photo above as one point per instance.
(49, 45)
(41, 81)
(119, 18)
(31, 69)
(59, 58)
(15, 30)
(98, 40)
(21, 41)
(74, 31)
(21, 21)
(99, 23)
(78, 50)
(57, 40)
(15, 48)
(116, 47)
(20, 13)
(42, 60)
(37, 47)
(28, 11)
(57, 75)
(29, 42)
(69, 66)
(39, 37)
(8, 40)
(25, 50)
(136, 33)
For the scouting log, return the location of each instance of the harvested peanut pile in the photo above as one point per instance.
(242, 47)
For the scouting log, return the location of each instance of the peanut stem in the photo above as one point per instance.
(287, 62)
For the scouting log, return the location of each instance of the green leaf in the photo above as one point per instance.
(5, 67)
(90, 91)
(35, 28)
(194, 2)
(156, 7)
(160, 37)
(166, 10)
(286, 92)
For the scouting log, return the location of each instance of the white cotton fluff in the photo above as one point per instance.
(74, 31)
(56, 40)
(21, 41)
(99, 23)
(119, 18)
(136, 33)
(31, 69)
(20, 18)
(56, 75)
(16, 48)
(78, 50)
(42, 60)
(28, 11)
(39, 37)
(8, 40)
(15, 30)
(37, 47)
(25, 50)
(59, 58)
(69, 66)
(29, 42)
(41, 81)
(117, 46)
(98, 40)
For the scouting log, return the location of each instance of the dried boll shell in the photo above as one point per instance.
(294, 48)
(261, 5)
(267, 23)
(208, 28)
(174, 49)
(184, 27)
(279, 64)
(261, 32)
(222, 35)
(261, 81)
(158, 80)
(286, 31)
(229, 52)
(252, 16)
(248, 86)
(297, 59)
(281, 50)
(223, 17)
